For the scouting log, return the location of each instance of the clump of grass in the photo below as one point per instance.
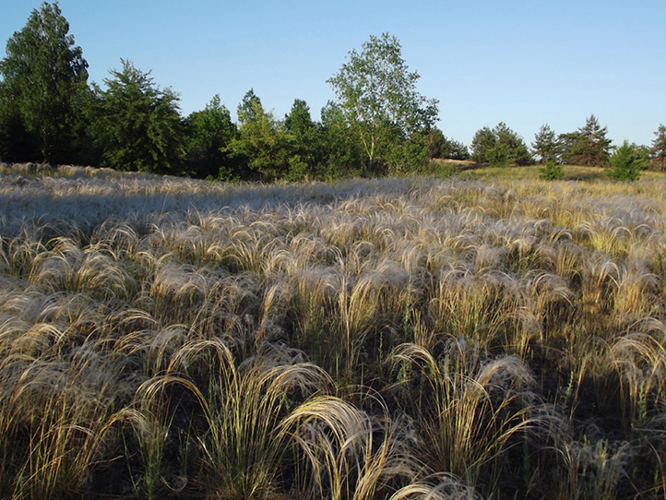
(469, 411)
(442, 486)
(347, 453)
(243, 408)
(61, 410)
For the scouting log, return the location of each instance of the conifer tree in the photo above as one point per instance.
(500, 147)
(659, 148)
(589, 146)
(546, 147)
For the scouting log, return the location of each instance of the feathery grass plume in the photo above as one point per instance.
(73, 269)
(369, 296)
(474, 306)
(598, 284)
(347, 453)
(609, 235)
(243, 406)
(118, 238)
(151, 417)
(545, 303)
(183, 293)
(52, 414)
(315, 292)
(657, 264)
(650, 469)
(131, 271)
(469, 412)
(639, 361)
(440, 486)
(592, 469)
(568, 260)
(20, 253)
(151, 350)
(636, 293)
(273, 309)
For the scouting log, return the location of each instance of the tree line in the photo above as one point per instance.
(587, 146)
(378, 123)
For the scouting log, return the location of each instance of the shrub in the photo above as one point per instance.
(551, 171)
(626, 163)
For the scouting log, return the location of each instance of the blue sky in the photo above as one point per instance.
(525, 63)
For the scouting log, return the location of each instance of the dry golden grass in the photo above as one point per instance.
(367, 339)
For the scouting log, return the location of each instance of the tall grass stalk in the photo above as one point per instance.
(470, 411)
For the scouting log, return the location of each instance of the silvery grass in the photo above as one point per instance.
(135, 308)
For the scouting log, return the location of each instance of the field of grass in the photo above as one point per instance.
(477, 337)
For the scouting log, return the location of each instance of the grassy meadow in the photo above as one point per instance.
(476, 337)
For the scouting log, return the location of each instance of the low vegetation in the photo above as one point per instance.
(399, 338)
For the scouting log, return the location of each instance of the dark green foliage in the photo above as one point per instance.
(659, 148)
(588, 146)
(627, 162)
(499, 155)
(483, 141)
(458, 151)
(208, 132)
(136, 125)
(546, 147)
(439, 146)
(17, 144)
(377, 97)
(342, 155)
(408, 156)
(263, 144)
(500, 147)
(307, 148)
(43, 75)
(551, 171)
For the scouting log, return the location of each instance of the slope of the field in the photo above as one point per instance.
(470, 337)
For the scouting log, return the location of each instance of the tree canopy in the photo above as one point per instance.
(209, 132)
(307, 149)
(627, 162)
(499, 146)
(440, 146)
(137, 126)
(262, 142)
(377, 124)
(378, 98)
(659, 147)
(546, 147)
(588, 146)
(44, 75)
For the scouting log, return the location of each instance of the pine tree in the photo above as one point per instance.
(627, 162)
(589, 146)
(546, 146)
(659, 148)
(306, 152)
(500, 147)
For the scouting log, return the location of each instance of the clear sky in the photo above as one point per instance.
(525, 63)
